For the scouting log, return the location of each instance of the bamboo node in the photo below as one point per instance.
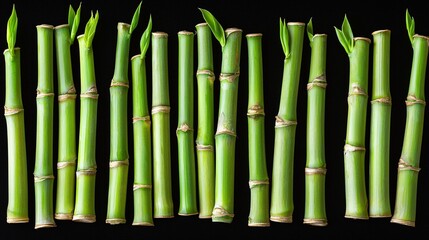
(184, 128)
(280, 122)
(219, 211)
(140, 186)
(145, 119)
(201, 147)
(114, 83)
(250, 223)
(12, 111)
(281, 219)
(403, 222)
(357, 90)
(403, 165)
(118, 163)
(255, 111)
(42, 178)
(209, 73)
(84, 218)
(148, 224)
(350, 148)
(114, 221)
(316, 222)
(86, 172)
(17, 220)
(40, 94)
(221, 129)
(312, 171)
(61, 165)
(63, 216)
(411, 100)
(254, 183)
(319, 81)
(90, 93)
(45, 225)
(66, 96)
(230, 77)
(384, 100)
(160, 109)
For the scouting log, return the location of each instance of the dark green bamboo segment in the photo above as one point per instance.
(379, 148)
(259, 215)
(205, 133)
(185, 126)
(17, 207)
(66, 165)
(86, 163)
(281, 207)
(225, 139)
(163, 199)
(118, 173)
(315, 168)
(43, 169)
(354, 149)
(409, 163)
(142, 187)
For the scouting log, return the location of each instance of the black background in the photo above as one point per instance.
(252, 17)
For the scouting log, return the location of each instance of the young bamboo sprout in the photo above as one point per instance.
(291, 38)
(185, 127)
(66, 166)
(163, 199)
(84, 210)
(315, 169)
(205, 139)
(259, 215)
(379, 146)
(118, 173)
(354, 150)
(142, 187)
(17, 208)
(225, 138)
(408, 167)
(43, 169)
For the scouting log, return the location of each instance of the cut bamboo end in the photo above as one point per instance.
(48, 26)
(205, 216)
(160, 34)
(228, 31)
(185, 33)
(201, 24)
(17, 220)
(421, 36)
(296, 23)
(320, 35)
(61, 26)
(356, 217)
(362, 38)
(115, 221)
(263, 224)
(188, 214)
(122, 25)
(145, 224)
(250, 35)
(380, 31)
(45, 225)
(316, 222)
(163, 216)
(380, 215)
(84, 218)
(403, 222)
(63, 216)
(281, 219)
(135, 56)
(7, 50)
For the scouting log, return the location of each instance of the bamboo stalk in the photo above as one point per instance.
(142, 188)
(259, 215)
(66, 165)
(379, 148)
(43, 169)
(205, 139)
(357, 49)
(315, 169)
(185, 126)
(86, 163)
(292, 38)
(17, 207)
(409, 163)
(163, 199)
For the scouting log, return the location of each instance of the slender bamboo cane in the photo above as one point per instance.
(292, 38)
(205, 139)
(185, 126)
(118, 173)
(142, 187)
(84, 210)
(66, 166)
(43, 169)
(315, 169)
(357, 49)
(408, 166)
(163, 199)
(17, 208)
(259, 215)
(379, 148)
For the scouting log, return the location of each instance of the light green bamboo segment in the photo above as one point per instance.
(17, 208)
(226, 133)
(315, 169)
(86, 164)
(163, 199)
(185, 126)
(205, 134)
(66, 166)
(259, 215)
(142, 187)
(118, 173)
(408, 166)
(281, 207)
(379, 149)
(43, 169)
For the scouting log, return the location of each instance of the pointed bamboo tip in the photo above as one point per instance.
(61, 26)
(48, 26)
(250, 35)
(203, 24)
(185, 33)
(380, 31)
(296, 23)
(122, 25)
(362, 38)
(160, 34)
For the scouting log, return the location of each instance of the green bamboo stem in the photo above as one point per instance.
(259, 215)
(84, 210)
(185, 126)
(163, 199)
(281, 209)
(408, 167)
(379, 148)
(205, 139)
(43, 169)
(67, 155)
(315, 169)
(226, 135)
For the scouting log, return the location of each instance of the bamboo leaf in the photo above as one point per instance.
(75, 24)
(215, 26)
(145, 39)
(343, 40)
(71, 16)
(310, 30)
(136, 17)
(90, 28)
(409, 20)
(347, 31)
(284, 37)
(12, 26)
